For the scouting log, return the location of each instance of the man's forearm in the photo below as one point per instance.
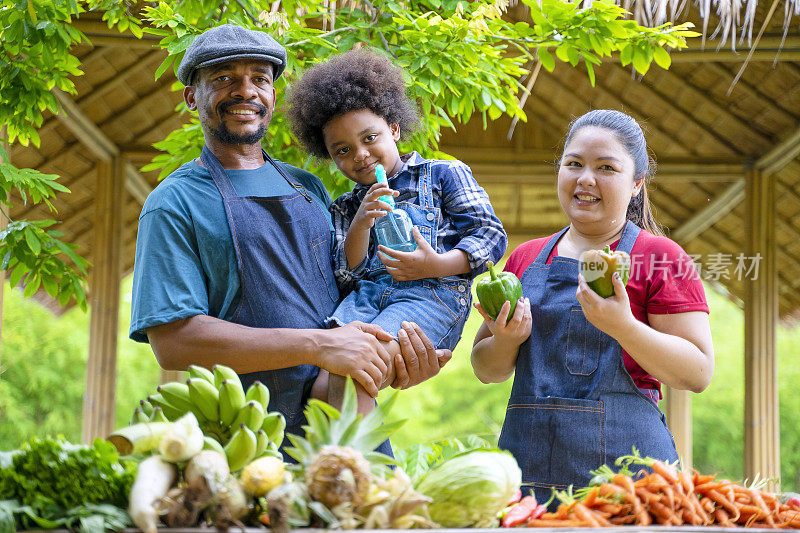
(204, 340)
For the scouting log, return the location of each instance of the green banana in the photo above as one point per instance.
(138, 417)
(231, 401)
(251, 415)
(258, 392)
(146, 407)
(210, 443)
(170, 411)
(196, 371)
(274, 425)
(205, 398)
(241, 449)
(261, 442)
(222, 372)
(177, 394)
(272, 449)
(158, 415)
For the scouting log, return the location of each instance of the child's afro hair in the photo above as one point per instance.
(355, 80)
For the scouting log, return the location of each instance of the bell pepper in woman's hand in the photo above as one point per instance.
(598, 267)
(495, 290)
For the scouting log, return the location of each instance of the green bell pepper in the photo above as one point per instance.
(495, 290)
(598, 267)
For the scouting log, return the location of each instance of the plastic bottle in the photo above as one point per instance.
(393, 230)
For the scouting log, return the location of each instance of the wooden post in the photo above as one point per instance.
(678, 410)
(99, 405)
(3, 225)
(761, 423)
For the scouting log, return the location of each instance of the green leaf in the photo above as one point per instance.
(546, 58)
(662, 58)
(33, 241)
(640, 62)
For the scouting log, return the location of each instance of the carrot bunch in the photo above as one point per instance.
(667, 496)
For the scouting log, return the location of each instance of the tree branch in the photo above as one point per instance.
(322, 36)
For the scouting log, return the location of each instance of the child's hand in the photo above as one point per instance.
(372, 208)
(408, 266)
(511, 332)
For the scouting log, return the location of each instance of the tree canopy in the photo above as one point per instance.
(462, 58)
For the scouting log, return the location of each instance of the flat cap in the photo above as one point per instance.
(227, 42)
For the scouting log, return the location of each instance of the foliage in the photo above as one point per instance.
(461, 58)
(43, 370)
(50, 482)
(86, 518)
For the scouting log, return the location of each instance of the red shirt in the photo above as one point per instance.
(663, 280)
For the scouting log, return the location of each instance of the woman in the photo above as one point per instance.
(587, 369)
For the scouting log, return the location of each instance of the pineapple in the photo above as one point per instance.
(337, 455)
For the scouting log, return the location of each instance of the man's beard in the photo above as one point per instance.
(224, 135)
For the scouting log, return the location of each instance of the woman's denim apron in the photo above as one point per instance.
(440, 305)
(283, 247)
(573, 406)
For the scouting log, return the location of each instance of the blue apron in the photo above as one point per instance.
(283, 249)
(573, 406)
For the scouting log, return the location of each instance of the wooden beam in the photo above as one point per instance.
(677, 407)
(761, 417)
(506, 172)
(99, 144)
(706, 217)
(769, 48)
(99, 412)
(780, 155)
(3, 225)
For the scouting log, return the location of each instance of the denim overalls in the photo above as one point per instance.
(283, 247)
(573, 406)
(439, 306)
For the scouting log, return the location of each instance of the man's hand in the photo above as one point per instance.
(419, 360)
(355, 350)
(409, 266)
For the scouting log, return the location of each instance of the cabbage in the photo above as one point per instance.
(471, 488)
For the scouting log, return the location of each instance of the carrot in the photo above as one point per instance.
(717, 497)
(668, 472)
(622, 520)
(541, 522)
(759, 501)
(609, 490)
(663, 514)
(590, 498)
(722, 517)
(586, 515)
(609, 508)
(642, 518)
(700, 479)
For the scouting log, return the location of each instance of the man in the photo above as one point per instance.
(233, 258)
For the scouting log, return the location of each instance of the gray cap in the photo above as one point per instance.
(227, 42)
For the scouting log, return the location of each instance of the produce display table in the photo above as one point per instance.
(621, 529)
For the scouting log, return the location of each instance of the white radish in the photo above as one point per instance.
(153, 479)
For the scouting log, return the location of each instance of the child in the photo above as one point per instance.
(353, 109)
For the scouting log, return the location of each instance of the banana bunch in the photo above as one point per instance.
(235, 423)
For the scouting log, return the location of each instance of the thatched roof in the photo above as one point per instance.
(703, 139)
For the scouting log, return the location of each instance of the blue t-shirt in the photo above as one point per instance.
(185, 259)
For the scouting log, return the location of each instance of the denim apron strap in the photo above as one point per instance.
(283, 249)
(573, 406)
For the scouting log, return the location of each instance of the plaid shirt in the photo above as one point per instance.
(467, 223)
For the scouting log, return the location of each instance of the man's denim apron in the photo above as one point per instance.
(573, 406)
(283, 247)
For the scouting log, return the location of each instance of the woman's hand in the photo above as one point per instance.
(371, 207)
(408, 266)
(609, 315)
(509, 332)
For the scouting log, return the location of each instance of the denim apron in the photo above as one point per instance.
(573, 406)
(283, 249)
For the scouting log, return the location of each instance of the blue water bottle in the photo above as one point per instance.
(393, 230)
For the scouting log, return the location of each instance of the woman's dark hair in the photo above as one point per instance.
(630, 135)
(355, 80)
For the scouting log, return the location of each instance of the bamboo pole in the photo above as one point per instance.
(761, 421)
(99, 405)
